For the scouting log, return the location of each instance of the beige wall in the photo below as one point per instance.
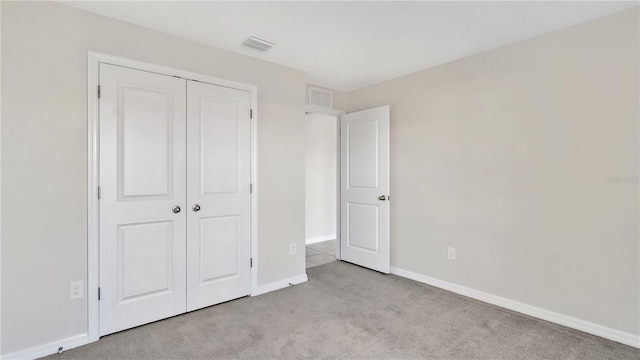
(518, 158)
(44, 157)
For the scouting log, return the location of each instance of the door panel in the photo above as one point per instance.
(364, 188)
(144, 141)
(218, 131)
(142, 176)
(363, 220)
(218, 248)
(362, 140)
(218, 173)
(145, 252)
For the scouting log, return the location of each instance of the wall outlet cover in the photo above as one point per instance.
(76, 290)
(451, 253)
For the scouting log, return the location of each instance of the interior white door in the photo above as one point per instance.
(142, 180)
(218, 173)
(364, 188)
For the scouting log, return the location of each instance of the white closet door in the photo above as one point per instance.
(364, 189)
(142, 178)
(218, 173)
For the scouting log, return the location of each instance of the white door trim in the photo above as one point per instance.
(93, 220)
(321, 110)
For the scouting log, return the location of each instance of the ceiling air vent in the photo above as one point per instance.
(320, 97)
(258, 43)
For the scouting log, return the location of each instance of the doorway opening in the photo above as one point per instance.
(359, 167)
(322, 187)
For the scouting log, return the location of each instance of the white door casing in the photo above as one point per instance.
(95, 60)
(218, 194)
(364, 188)
(142, 166)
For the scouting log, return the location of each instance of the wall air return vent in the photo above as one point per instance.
(258, 43)
(320, 97)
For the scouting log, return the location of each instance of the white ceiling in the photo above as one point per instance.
(348, 45)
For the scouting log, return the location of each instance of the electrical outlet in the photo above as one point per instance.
(292, 248)
(76, 290)
(451, 253)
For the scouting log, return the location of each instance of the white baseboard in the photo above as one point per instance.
(49, 348)
(568, 321)
(319, 239)
(281, 284)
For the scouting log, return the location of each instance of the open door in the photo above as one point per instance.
(364, 188)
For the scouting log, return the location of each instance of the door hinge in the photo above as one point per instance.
(251, 188)
(98, 91)
(98, 294)
(99, 192)
(250, 113)
(250, 262)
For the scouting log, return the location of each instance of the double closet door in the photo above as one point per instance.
(174, 196)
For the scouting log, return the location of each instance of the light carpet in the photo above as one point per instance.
(347, 312)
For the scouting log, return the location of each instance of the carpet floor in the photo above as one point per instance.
(347, 312)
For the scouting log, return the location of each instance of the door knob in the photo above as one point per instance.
(195, 207)
(382, 198)
(175, 209)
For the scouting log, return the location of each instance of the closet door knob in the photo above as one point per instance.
(196, 207)
(382, 198)
(175, 209)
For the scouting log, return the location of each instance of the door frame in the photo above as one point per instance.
(93, 208)
(321, 110)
